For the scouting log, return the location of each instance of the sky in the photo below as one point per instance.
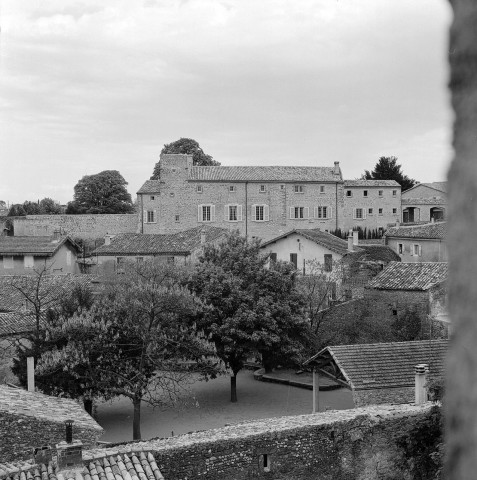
(87, 86)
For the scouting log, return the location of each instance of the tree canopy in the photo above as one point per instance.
(104, 192)
(46, 206)
(387, 168)
(186, 146)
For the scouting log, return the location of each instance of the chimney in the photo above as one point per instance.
(350, 241)
(355, 237)
(69, 452)
(31, 374)
(420, 383)
(42, 455)
(107, 239)
(56, 235)
(202, 237)
(336, 170)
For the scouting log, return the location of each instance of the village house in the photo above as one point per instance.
(424, 202)
(24, 255)
(181, 247)
(262, 202)
(419, 243)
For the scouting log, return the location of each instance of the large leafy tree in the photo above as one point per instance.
(104, 192)
(387, 168)
(252, 309)
(45, 206)
(135, 340)
(186, 146)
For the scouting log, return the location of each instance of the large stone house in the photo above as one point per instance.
(260, 201)
(424, 202)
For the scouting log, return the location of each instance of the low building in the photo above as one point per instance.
(380, 372)
(424, 202)
(25, 255)
(182, 247)
(419, 243)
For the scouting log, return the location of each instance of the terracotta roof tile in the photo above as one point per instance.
(15, 323)
(181, 243)
(371, 183)
(410, 276)
(429, 230)
(374, 253)
(386, 365)
(38, 246)
(442, 186)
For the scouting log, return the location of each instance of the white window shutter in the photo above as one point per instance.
(307, 212)
(155, 216)
(199, 213)
(364, 212)
(226, 213)
(329, 212)
(254, 212)
(239, 213)
(315, 212)
(212, 213)
(292, 212)
(266, 213)
(145, 216)
(420, 251)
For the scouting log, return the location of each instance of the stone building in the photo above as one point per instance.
(424, 202)
(261, 202)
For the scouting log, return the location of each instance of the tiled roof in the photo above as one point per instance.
(264, 174)
(386, 365)
(324, 239)
(14, 323)
(440, 186)
(151, 186)
(122, 466)
(374, 253)
(371, 183)
(424, 201)
(429, 230)
(181, 243)
(410, 276)
(44, 407)
(38, 246)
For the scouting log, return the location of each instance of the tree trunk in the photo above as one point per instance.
(88, 405)
(137, 419)
(233, 388)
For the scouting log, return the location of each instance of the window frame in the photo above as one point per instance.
(394, 211)
(30, 264)
(262, 189)
(363, 213)
(365, 193)
(322, 189)
(400, 248)
(199, 189)
(228, 210)
(380, 193)
(370, 211)
(298, 208)
(394, 193)
(202, 209)
(151, 217)
(232, 189)
(299, 189)
(349, 194)
(329, 212)
(380, 211)
(265, 212)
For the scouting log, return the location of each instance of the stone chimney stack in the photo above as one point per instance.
(336, 169)
(350, 241)
(69, 452)
(420, 383)
(56, 235)
(107, 239)
(203, 237)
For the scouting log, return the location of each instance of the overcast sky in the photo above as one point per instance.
(87, 86)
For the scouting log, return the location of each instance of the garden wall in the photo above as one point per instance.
(383, 395)
(363, 443)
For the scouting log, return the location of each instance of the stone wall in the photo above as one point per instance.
(86, 227)
(362, 398)
(356, 444)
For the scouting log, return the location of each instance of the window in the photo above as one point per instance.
(282, 187)
(233, 213)
(416, 250)
(349, 193)
(260, 213)
(7, 262)
(322, 189)
(359, 214)
(294, 259)
(206, 213)
(370, 211)
(170, 260)
(299, 189)
(150, 217)
(262, 189)
(199, 189)
(152, 197)
(177, 218)
(323, 212)
(380, 193)
(328, 262)
(171, 194)
(120, 261)
(273, 257)
(299, 213)
(139, 259)
(394, 211)
(231, 188)
(394, 193)
(365, 193)
(380, 211)
(28, 261)
(400, 249)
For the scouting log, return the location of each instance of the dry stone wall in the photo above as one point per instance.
(383, 395)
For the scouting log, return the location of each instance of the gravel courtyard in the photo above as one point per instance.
(209, 406)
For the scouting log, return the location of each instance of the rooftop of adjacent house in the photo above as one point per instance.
(439, 186)
(16, 401)
(374, 253)
(382, 365)
(16, 323)
(253, 174)
(181, 243)
(371, 183)
(410, 276)
(435, 230)
(424, 201)
(325, 239)
(38, 246)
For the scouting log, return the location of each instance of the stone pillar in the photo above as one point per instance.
(420, 383)
(31, 374)
(316, 391)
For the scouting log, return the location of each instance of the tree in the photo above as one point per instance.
(134, 341)
(251, 309)
(49, 207)
(387, 168)
(16, 210)
(104, 192)
(186, 146)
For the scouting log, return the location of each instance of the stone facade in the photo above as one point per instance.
(428, 249)
(377, 396)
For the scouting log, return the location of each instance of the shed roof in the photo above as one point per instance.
(440, 186)
(181, 243)
(381, 365)
(317, 236)
(435, 230)
(410, 276)
(38, 246)
(371, 183)
(374, 253)
(16, 323)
